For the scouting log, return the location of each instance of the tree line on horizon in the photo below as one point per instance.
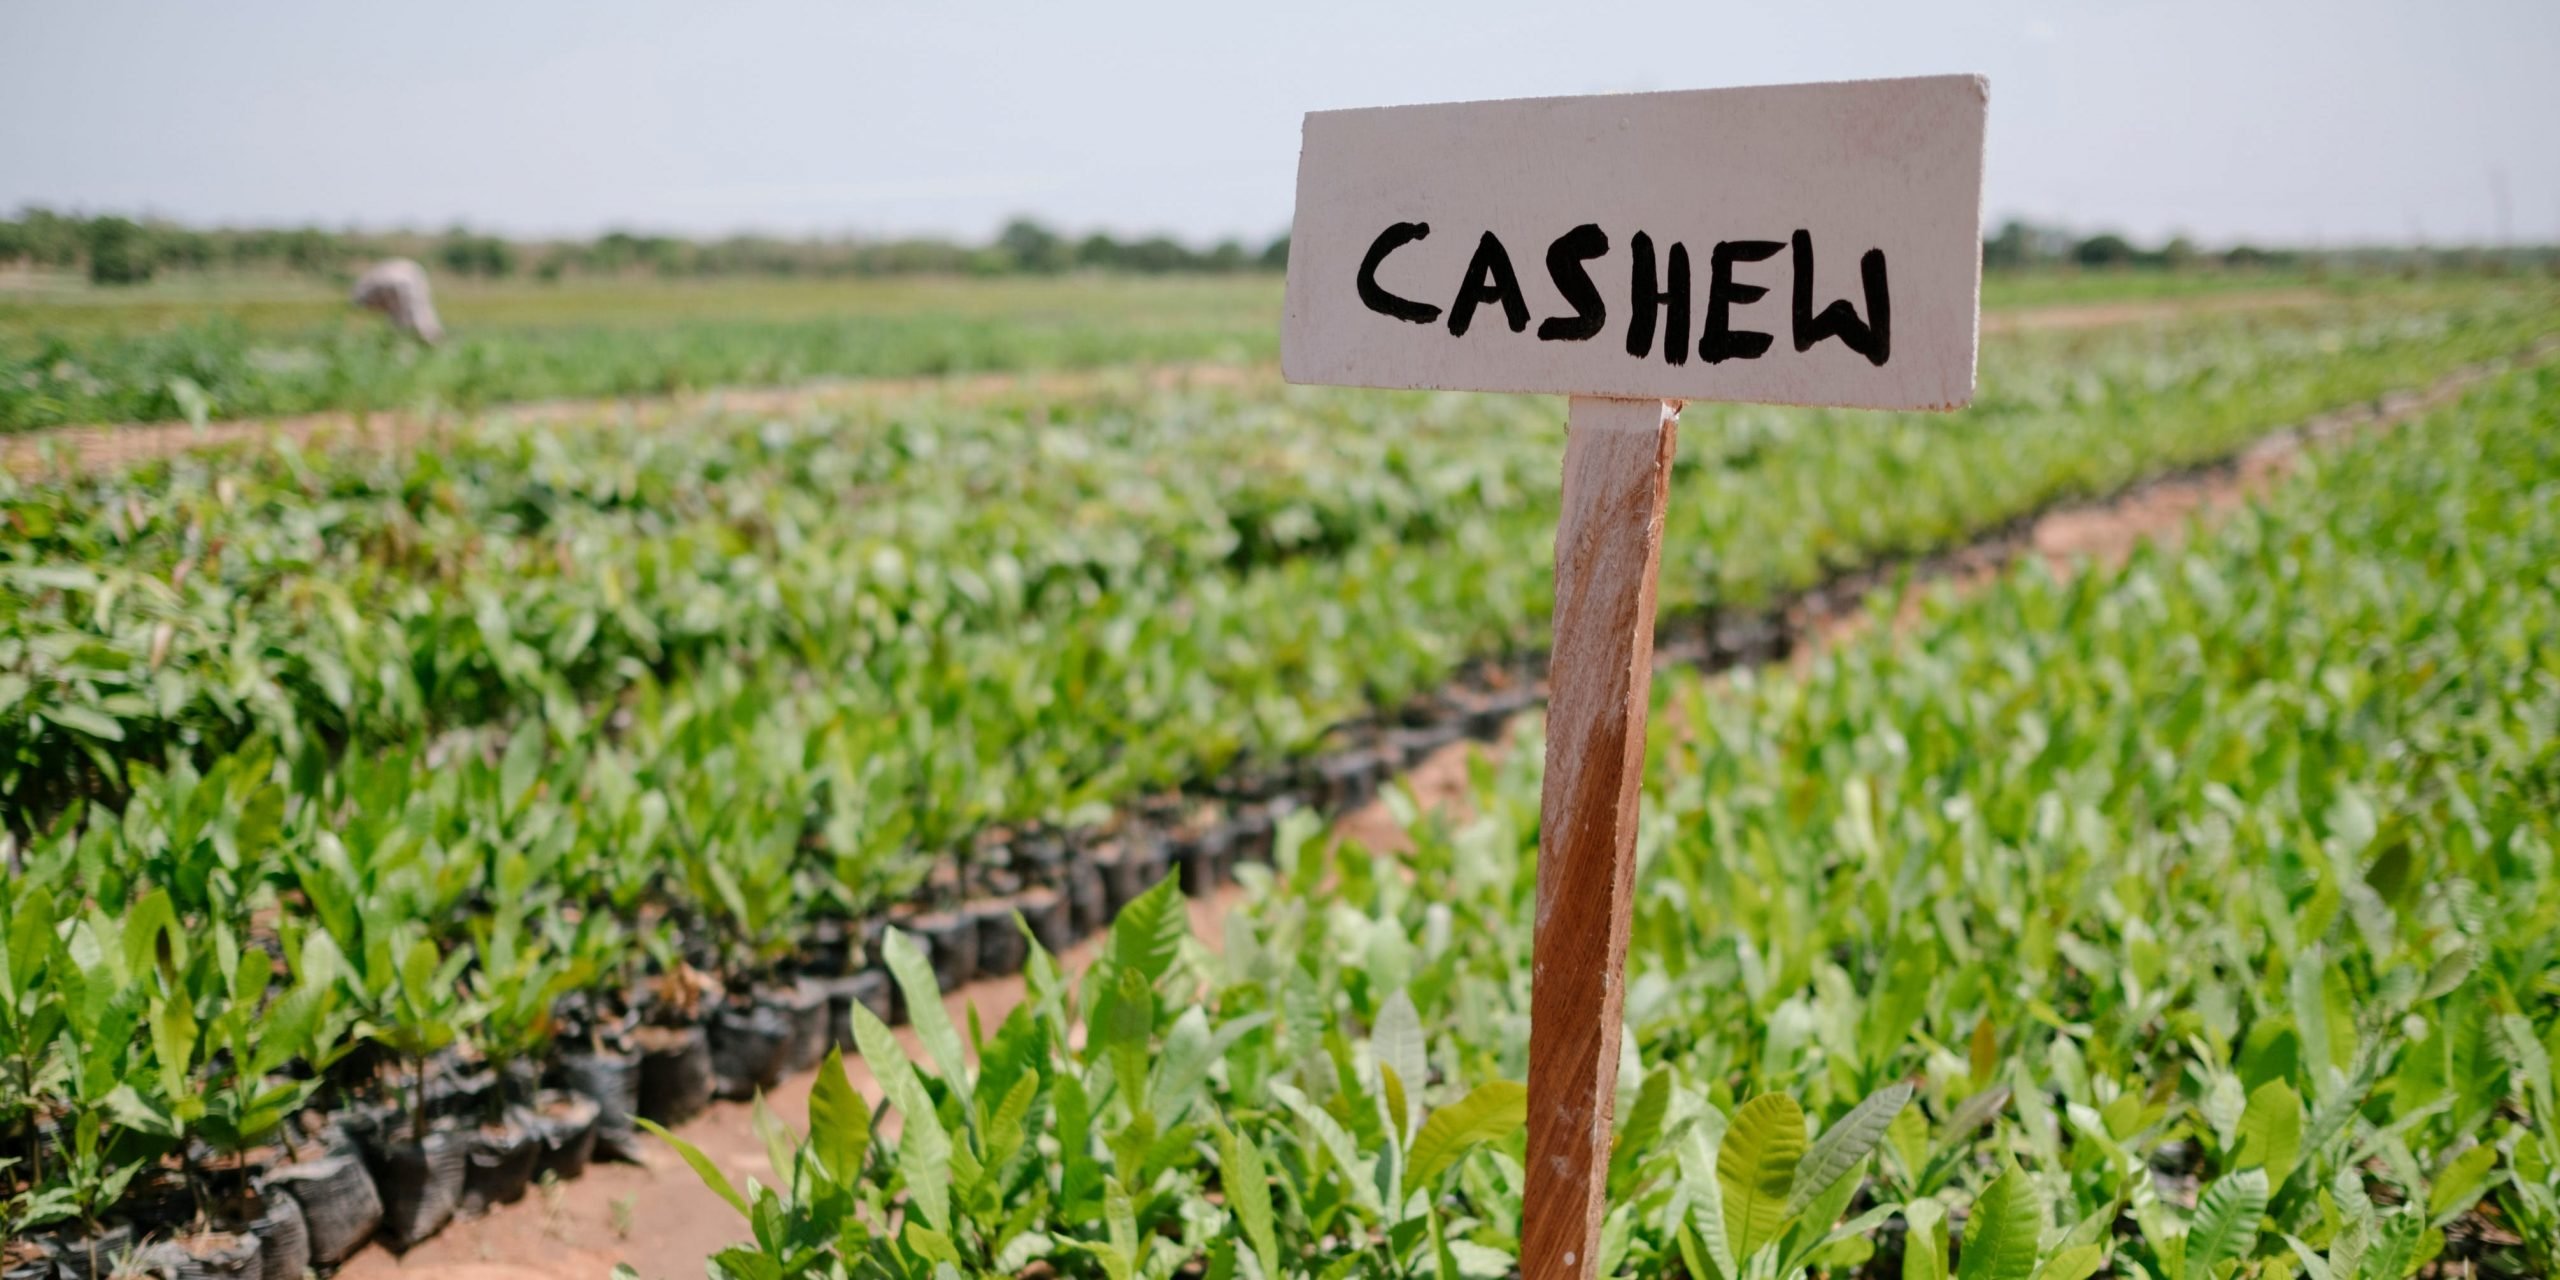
(111, 249)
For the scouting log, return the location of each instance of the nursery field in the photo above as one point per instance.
(254, 347)
(387, 828)
(2192, 919)
(230, 349)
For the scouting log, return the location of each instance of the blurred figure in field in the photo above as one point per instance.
(398, 289)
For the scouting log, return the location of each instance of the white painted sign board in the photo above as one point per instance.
(1795, 244)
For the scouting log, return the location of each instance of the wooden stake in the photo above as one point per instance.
(1617, 476)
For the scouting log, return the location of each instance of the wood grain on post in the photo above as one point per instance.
(1617, 475)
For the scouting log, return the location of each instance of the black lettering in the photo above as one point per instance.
(1489, 279)
(1378, 299)
(1564, 266)
(1646, 297)
(1722, 341)
(1874, 337)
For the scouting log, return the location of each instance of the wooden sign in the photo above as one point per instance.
(1802, 244)
(1796, 244)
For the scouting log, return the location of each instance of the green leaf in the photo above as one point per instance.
(780, 1152)
(1336, 1142)
(2226, 1224)
(1006, 1133)
(1182, 1064)
(1149, 931)
(839, 1122)
(153, 941)
(2001, 1235)
(741, 1262)
(924, 1150)
(1121, 1024)
(2313, 1265)
(2460, 1184)
(931, 1245)
(2348, 1243)
(1845, 1143)
(1391, 1089)
(1444, 1263)
(1756, 1169)
(2270, 1132)
(1491, 1112)
(2078, 1262)
(1243, 1177)
(1641, 1130)
(1909, 1135)
(925, 1010)
(1397, 1038)
(143, 1115)
(85, 721)
(702, 1167)
(1121, 1215)
(1971, 1114)
(1813, 1227)
(1699, 1183)
(1924, 1241)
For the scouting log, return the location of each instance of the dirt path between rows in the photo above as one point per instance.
(108, 446)
(659, 1218)
(2099, 315)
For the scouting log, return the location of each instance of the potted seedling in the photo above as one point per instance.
(844, 875)
(31, 1016)
(739, 858)
(946, 781)
(421, 1011)
(322, 1180)
(104, 1077)
(517, 983)
(675, 1051)
(221, 1048)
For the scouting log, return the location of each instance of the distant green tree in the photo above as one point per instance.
(310, 249)
(465, 254)
(119, 251)
(1275, 255)
(49, 239)
(1033, 247)
(1099, 252)
(2106, 249)
(1158, 254)
(2012, 248)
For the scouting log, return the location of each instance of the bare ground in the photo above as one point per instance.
(2099, 315)
(660, 1219)
(104, 447)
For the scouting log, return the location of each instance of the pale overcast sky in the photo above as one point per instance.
(2352, 120)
